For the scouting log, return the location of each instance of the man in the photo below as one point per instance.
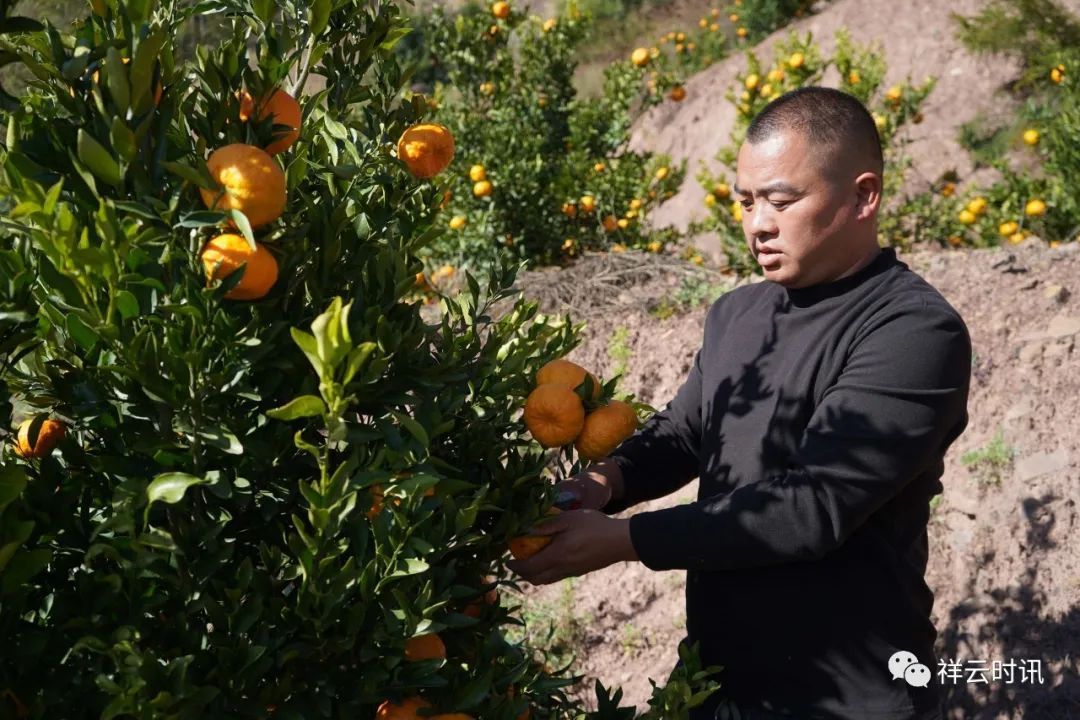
(816, 417)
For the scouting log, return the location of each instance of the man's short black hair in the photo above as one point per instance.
(826, 117)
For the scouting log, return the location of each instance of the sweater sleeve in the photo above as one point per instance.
(663, 455)
(899, 402)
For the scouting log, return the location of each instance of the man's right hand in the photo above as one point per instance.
(590, 489)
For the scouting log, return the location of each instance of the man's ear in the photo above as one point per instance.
(868, 195)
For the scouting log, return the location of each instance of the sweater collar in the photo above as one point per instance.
(884, 260)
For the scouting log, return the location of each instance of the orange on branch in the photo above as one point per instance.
(407, 710)
(566, 373)
(49, 436)
(426, 149)
(605, 428)
(285, 111)
(425, 647)
(251, 181)
(224, 255)
(554, 415)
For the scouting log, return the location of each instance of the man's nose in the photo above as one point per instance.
(763, 219)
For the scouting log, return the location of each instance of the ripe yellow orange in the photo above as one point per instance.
(751, 81)
(407, 710)
(623, 223)
(426, 149)
(525, 546)
(1035, 208)
(49, 436)
(1008, 228)
(285, 111)
(795, 60)
(635, 204)
(948, 189)
(661, 173)
(721, 191)
(587, 203)
(550, 24)
(477, 173)
(487, 88)
(568, 374)
(599, 167)
(853, 77)
(1017, 238)
(741, 32)
(640, 57)
(554, 415)
(1031, 136)
(569, 209)
(610, 223)
(224, 255)
(1057, 74)
(654, 246)
(894, 94)
(425, 647)
(605, 428)
(967, 217)
(251, 182)
(457, 222)
(880, 121)
(678, 93)
(501, 10)
(482, 188)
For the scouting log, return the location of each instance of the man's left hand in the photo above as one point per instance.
(584, 540)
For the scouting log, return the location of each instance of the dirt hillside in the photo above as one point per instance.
(1005, 562)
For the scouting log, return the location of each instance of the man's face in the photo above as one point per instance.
(799, 211)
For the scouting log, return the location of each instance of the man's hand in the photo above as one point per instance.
(590, 489)
(584, 540)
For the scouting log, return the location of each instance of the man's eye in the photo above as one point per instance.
(780, 204)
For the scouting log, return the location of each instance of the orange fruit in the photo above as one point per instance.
(501, 10)
(285, 111)
(569, 209)
(49, 435)
(524, 547)
(587, 203)
(605, 428)
(491, 597)
(678, 93)
(640, 57)
(405, 711)
(568, 374)
(252, 182)
(426, 149)
(425, 647)
(224, 255)
(610, 223)
(377, 501)
(482, 188)
(477, 173)
(554, 415)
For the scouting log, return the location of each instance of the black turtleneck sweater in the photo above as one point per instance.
(816, 420)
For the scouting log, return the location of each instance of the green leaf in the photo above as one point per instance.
(97, 159)
(170, 488)
(142, 69)
(242, 224)
(319, 16)
(201, 218)
(301, 407)
(117, 81)
(394, 37)
(12, 483)
(127, 304)
(415, 429)
(192, 175)
(80, 332)
(122, 139)
(24, 566)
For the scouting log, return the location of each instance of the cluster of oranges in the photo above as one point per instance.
(977, 207)
(250, 180)
(556, 415)
(410, 709)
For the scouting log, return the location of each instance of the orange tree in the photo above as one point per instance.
(539, 173)
(255, 480)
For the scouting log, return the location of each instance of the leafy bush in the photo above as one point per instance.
(511, 104)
